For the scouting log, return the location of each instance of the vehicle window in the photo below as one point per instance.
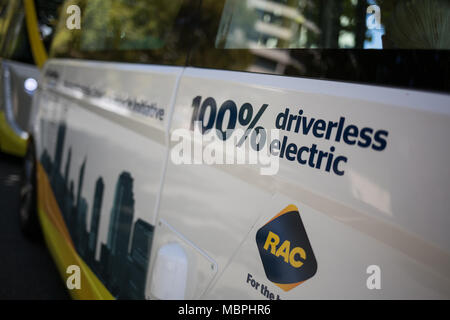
(3, 20)
(363, 41)
(48, 12)
(3, 9)
(14, 39)
(127, 24)
(335, 24)
(148, 31)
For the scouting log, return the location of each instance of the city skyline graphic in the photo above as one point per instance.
(124, 258)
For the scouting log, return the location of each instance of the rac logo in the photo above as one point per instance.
(285, 250)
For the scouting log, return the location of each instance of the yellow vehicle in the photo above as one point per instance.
(24, 39)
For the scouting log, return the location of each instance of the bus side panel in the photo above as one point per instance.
(375, 206)
(101, 142)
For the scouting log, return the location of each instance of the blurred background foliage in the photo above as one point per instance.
(158, 30)
(122, 30)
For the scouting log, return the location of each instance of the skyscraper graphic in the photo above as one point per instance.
(46, 162)
(80, 181)
(78, 211)
(69, 209)
(67, 169)
(81, 229)
(66, 198)
(58, 151)
(138, 259)
(122, 271)
(103, 267)
(119, 231)
(95, 220)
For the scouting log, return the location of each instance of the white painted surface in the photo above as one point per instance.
(390, 208)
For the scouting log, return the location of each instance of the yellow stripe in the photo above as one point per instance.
(289, 208)
(37, 46)
(9, 141)
(60, 245)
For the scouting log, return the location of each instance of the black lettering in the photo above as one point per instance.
(299, 155)
(275, 147)
(320, 156)
(331, 125)
(291, 151)
(350, 132)
(299, 121)
(291, 119)
(283, 118)
(307, 127)
(336, 165)
(313, 152)
(365, 135)
(330, 159)
(340, 128)
(319, 128)
(382, 141)
(283, 147)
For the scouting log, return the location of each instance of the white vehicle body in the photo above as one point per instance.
(377, 222)
(389, 209)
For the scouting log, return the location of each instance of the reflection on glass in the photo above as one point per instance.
(417, 24)
(145, 31)
(343, 24)
(48, 12)
(127, 24)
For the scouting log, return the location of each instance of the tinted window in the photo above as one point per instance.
(400, 43)
(148, 31)
(47, 13)
(344, 24)
(128, 25)
(4, 21)
(14, 36)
